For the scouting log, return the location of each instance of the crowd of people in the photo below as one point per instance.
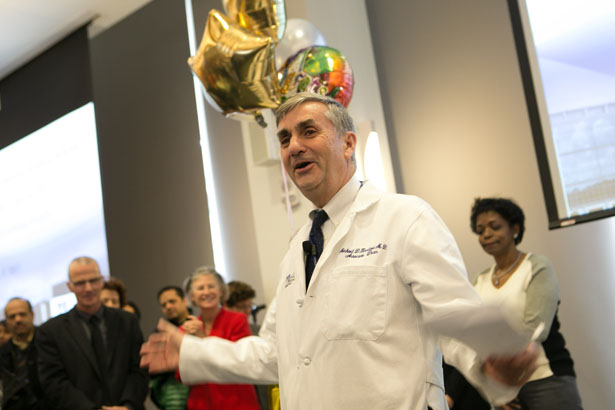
(88, 358)
(346, 329)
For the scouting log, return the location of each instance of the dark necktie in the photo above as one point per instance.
(316, 242)
(100, 352)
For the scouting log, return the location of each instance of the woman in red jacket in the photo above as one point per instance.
(206, 290)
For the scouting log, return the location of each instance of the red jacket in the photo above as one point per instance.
(231, 326)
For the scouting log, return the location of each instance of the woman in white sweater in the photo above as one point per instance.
(527, 284)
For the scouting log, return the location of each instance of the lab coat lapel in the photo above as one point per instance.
(366, 197)
(298, 257)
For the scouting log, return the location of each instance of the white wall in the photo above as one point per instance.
(456, 110)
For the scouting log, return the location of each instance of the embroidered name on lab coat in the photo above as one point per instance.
(363, 252)
(289, 279)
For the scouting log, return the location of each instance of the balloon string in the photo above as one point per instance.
(287, 198)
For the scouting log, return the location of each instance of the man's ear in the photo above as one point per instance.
(69, 285)
(350, 144)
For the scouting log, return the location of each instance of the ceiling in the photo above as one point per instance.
(28, 27)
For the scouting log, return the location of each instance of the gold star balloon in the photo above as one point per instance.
(267, 17)
(236, 67)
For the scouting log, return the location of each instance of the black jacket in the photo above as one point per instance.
(68, 369)
(21, 392)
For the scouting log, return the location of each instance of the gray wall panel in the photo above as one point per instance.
(153, 185)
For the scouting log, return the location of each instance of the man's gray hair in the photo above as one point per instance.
(206, 271)
(82, 260)
(336, 113)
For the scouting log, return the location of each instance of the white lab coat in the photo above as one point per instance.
(356, 339)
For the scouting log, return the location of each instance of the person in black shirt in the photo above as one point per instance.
(18, 358)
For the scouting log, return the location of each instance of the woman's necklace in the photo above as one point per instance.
(496, 278)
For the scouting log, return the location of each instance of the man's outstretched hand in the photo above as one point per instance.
(512, 370)
(161, 351)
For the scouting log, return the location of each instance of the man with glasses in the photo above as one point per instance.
(89, 357)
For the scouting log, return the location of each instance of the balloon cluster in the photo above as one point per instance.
(236, 60)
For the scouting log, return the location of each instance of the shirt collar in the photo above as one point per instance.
(339, 205)
(86, 316)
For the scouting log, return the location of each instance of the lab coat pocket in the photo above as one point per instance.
(356, 301)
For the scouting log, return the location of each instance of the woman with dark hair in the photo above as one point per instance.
(206, 290)
(113, 293)
(527, 285)
(241, 297)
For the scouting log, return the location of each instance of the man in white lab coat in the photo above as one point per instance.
(354, 337)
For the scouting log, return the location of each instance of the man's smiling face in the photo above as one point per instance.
(315, 156)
